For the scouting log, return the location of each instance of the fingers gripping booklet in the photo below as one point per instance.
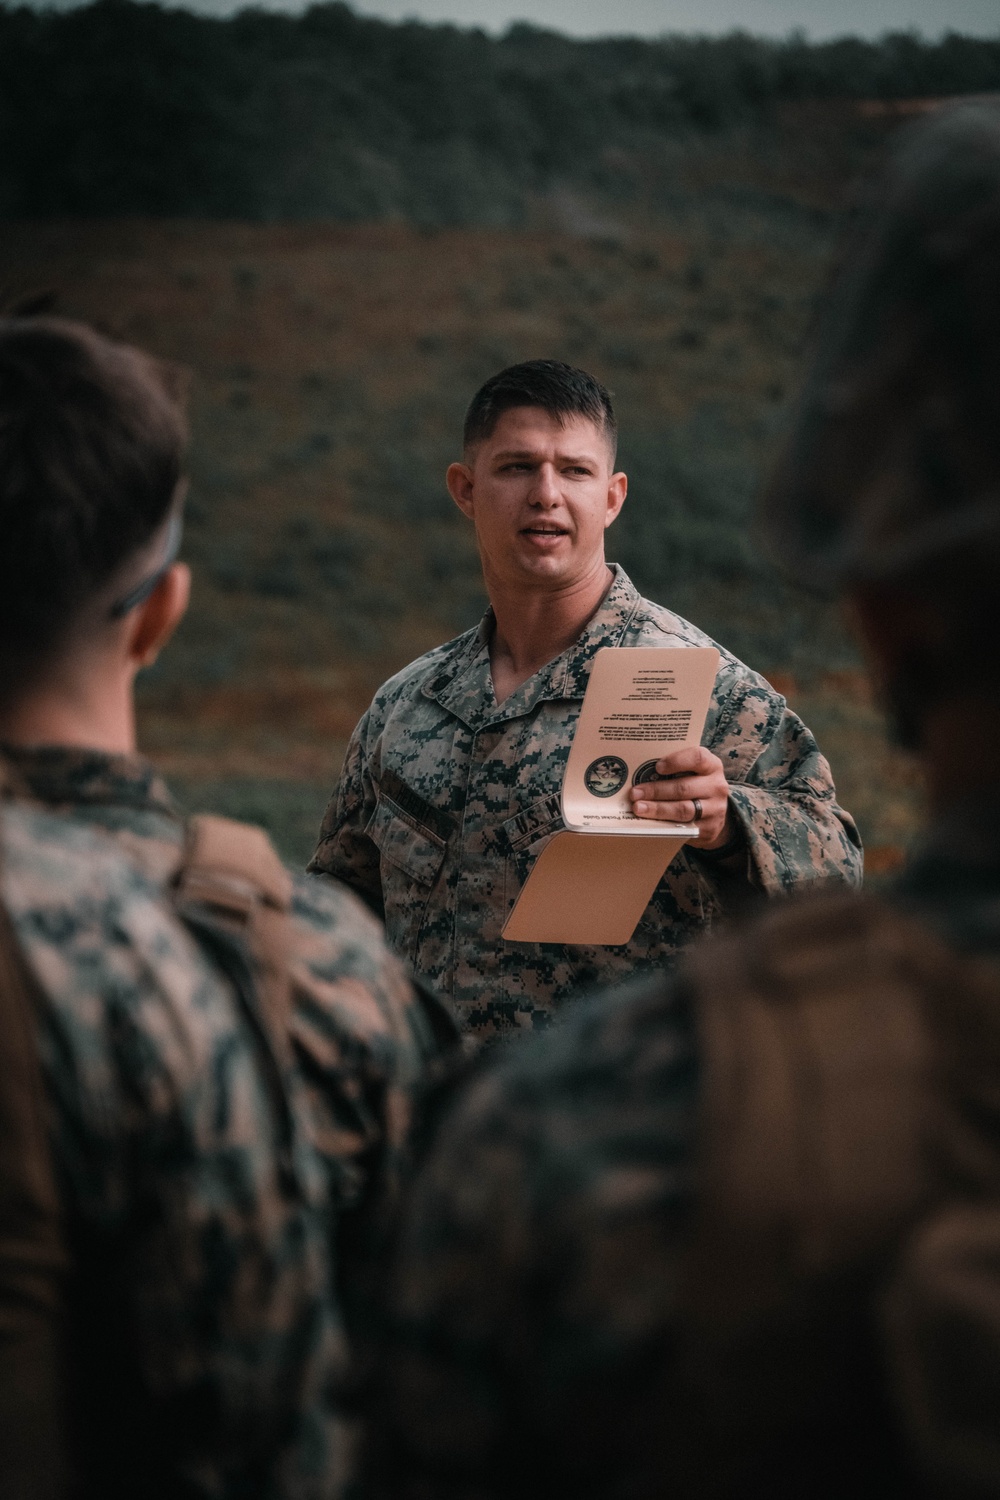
(640, 704)
(592, 882)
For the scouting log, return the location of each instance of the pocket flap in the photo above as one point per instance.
(405, 843)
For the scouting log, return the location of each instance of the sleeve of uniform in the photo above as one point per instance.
(368, 1044)
(344, 850)
(535, 1278)
(176, 1172)
(782, 791)
(358, 1013)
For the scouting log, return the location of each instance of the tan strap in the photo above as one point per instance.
(942, 1323)
(815, 1054)
(239, 861)
(29, 1240)
(814, 1103)
(33, 1260)
(233, 871)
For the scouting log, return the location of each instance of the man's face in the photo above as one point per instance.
(541, 494)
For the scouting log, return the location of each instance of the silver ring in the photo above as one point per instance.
(699, 811)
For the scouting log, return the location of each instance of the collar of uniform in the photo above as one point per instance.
(60, 775)
(464, 686)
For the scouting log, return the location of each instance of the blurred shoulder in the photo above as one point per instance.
(355, 980)
(111, 957)
(51, 860)
(342, 934)
(548, 1119)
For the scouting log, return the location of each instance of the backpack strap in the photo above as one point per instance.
(819, 1085)
(940, 1315)
(232, 877)
(33, 1260)
(816, 1060)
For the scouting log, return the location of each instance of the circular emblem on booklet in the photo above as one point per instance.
(646, 772)
(604, 777)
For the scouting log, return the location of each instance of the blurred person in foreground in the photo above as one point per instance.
(737, 1232)
(450, 787)
(230, 1056)
(33, 1258)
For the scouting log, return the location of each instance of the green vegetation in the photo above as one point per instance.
(290, 811)
(131, 109)
(663, 213)
(331, 369)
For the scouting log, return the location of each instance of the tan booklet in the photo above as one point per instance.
(592, 882)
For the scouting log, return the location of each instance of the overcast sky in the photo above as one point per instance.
(817, 18)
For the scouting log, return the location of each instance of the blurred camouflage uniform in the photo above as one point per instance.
(217, 1195)
(735, 1234)
(446, 800)
(545, 1334)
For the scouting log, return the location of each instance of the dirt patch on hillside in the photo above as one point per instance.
(331, 367)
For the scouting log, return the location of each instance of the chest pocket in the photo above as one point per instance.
(410, 832)
(412, 840)
(408, 845)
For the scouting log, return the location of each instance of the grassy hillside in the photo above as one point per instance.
(119, 108)
(330, 369)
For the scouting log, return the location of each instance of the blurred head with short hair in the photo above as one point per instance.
(889, 489)
(92, 440)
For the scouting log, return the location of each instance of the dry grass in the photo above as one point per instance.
(330, 369)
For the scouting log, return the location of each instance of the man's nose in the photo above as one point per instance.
(545, 490)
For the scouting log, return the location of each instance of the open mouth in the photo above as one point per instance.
(546, 532)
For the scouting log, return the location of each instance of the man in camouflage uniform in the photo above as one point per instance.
(223, 1171)
(450, 788)
(736, 1233)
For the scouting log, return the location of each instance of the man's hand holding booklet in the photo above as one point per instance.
(591, 883)
(640, 705)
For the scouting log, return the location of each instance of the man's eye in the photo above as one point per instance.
(579, 470)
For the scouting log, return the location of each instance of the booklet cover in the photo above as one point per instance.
(592, 882)
(641, 702)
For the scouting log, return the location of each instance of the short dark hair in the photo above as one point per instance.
(561, 390)
(891, 479)
(92, 440)
(894, 458)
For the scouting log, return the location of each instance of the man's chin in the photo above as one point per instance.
(557, 554)
(552, 566)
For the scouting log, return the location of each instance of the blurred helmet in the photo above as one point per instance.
(894, 458)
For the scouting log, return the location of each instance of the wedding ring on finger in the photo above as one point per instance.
(699, 811)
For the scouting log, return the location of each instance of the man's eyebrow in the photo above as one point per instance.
(565, 458)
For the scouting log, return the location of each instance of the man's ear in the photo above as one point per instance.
(459, 480)
(155, 621)
(617, 490)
